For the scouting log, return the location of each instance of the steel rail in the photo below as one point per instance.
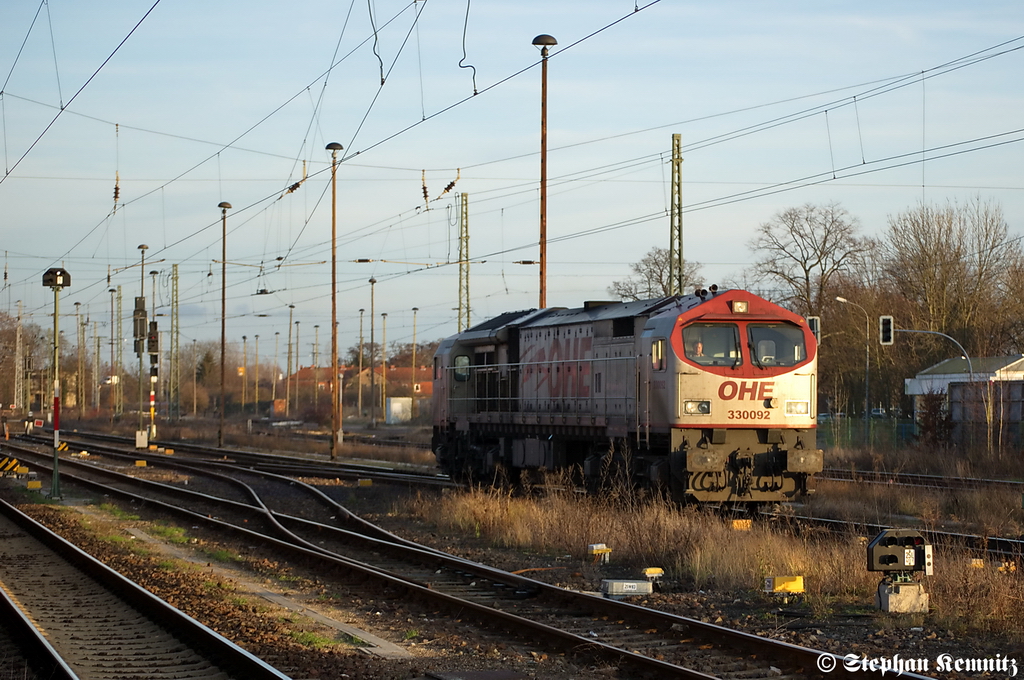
(915, 479)
(40, 655)
(229, 657)
(801, 658)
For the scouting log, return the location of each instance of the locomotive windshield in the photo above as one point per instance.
(712, 344)
(776, 344)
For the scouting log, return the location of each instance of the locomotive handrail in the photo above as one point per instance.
(481, 401)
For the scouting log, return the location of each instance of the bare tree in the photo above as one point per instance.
(953, 265)
(651, 277)
(801, 250)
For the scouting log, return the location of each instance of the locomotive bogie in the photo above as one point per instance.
(706, 399)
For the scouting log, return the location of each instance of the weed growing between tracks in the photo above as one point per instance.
(699, 550)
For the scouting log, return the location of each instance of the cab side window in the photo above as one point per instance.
(462, 367)
(658, 355)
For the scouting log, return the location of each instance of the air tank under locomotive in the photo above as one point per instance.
(709, 397)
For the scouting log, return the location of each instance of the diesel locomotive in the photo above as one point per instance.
(708, 397)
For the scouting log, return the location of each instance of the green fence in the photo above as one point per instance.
(858, 433)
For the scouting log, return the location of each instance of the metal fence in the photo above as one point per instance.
(858, 433)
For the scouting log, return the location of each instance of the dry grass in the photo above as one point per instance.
(696, 547)
(989, 512)
(700, 550)
(918, 458)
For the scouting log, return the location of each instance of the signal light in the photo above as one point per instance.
(153, 339)
(814, 323)
(885, 330)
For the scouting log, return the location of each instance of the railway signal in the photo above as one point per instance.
(56, 279)
(885, 330)
(898, 553)
(814, 323)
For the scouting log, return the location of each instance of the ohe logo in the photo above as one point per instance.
(751, 390)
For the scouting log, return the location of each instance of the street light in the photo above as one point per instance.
(195, 373)
(224, 207)
(867, 354)
(359, 391)
(413, 384)
(277, 372)
(55, 280)
(79, 374)
(245, 369)
(544, 41)
(288, 371)
(336, 429)
(384, 365)
(373, 367)
(316, 373)
(298, 364)
(256, 405)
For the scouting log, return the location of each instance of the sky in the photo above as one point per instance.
(878, 106)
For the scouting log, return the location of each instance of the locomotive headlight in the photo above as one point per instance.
(798, 408)
(692, 407)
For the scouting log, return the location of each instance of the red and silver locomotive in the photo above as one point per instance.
(710, 396)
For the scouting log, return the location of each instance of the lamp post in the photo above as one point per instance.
(359, 391)
(373, 367)
(316, 370)
(224, 207)
(384, 365)
(298, 364)
(867, 355)
(195, 379)
(277, 360)
(412, 386)
(55, 280)
(256, 404)
(80, 373)
(336, 428)
(544, 41)
(288, 370)
(245, 370)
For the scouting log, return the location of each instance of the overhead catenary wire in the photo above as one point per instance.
(89, 80)
(854, 100)
(465, 29)
(53, 50)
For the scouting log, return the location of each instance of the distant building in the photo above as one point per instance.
(399, 379)
(986, 405)
(936, 379)
(399, 383)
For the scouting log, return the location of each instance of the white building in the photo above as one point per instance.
(937, 379)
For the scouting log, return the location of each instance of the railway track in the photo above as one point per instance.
(911, 479)
(271, 462)
(97, 624)
(24, 649)
(290, 518)
(995, 546)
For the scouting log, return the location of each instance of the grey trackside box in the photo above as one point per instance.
(623, 588)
